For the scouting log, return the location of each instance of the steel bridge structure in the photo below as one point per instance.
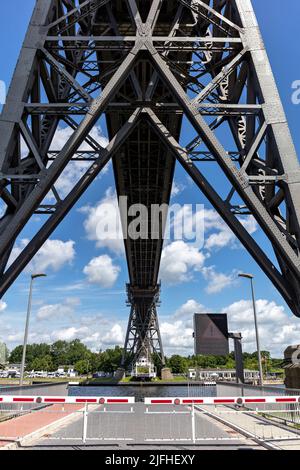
(147, 66)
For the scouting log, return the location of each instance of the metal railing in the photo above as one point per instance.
(291, 413)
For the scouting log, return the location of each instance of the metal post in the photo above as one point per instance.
(193, 424)
(85, 423)
(26, 333)
(257, 336)
(250, 276)
(238, 354)
(34, 276)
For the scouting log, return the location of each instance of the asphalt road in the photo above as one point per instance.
(136, 428)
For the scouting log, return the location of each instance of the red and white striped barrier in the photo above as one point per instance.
(67, 400)
(150, 401)
(221, 400)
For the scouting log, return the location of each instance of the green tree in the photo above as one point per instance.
(82, 367)
(111, 359)
(33, 352)
(59, 353)
(178, 364)
(42, 363)
(15, 356)
(77, 351)
(157, 363)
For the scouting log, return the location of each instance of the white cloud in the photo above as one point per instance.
(65, 309)
(188, 309)
(96, 337)
(103, 223)
(177, 188)
(53, 255)
(277, 329)
(3, 306)
(176, 337)
(74, 170)
(179, 261)
(242, 312)
(102, 271)
(177, 330)
(217, 281)
(114, 337)
(15, 337)
(58, 321)
(69, 334)
(220, 234)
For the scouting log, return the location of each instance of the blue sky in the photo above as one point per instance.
(68, 305)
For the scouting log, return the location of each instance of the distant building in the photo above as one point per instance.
(3, 353)
(227, 375)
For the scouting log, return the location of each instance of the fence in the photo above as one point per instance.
(71, 418)
(291, 413)
(186, 420)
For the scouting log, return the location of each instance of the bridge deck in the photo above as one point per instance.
(140, 429)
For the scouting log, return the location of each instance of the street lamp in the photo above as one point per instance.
(33, 276)
(251, 277)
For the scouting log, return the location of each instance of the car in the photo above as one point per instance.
(51, 375)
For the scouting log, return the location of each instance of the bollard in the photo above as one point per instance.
(85, 423)
(193, 424)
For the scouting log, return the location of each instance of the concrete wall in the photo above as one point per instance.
(49, 389)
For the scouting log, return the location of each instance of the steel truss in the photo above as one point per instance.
(145, 65)
(143, 334)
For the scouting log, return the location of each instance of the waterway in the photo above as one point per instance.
(141, 391)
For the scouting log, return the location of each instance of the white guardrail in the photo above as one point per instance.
(73, 400)
(67, 400)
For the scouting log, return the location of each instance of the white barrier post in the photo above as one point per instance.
(85, 423)
(193, 424)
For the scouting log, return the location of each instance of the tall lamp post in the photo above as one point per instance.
(251, 277)
(33, 277)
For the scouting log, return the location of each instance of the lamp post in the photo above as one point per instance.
(33, 277)
(251, 277)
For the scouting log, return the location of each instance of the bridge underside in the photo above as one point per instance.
(145, 65)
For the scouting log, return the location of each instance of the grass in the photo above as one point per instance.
(40, 380)
(101, 380)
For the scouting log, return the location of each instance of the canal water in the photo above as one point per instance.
(142, 391)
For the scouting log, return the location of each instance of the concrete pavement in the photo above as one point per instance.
(136, 428)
